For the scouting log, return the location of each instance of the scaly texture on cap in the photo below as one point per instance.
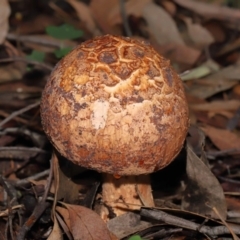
(115, 105)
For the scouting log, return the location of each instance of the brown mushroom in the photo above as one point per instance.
(115, 105)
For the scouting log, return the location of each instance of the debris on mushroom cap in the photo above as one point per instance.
(115, 105)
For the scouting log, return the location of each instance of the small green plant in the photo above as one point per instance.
(36, 56)
(136, 237)
(63, 32)
(59, 53)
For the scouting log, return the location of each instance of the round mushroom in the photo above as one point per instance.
(114, 105)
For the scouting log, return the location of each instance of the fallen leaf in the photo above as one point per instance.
(102, 15)
(161, 25)
(4, 14)
(132, 7)
(56, 232)
(217, 29)
(14, 70)
(169, 6)
(85, 16)
(202, 70)
(211, 11)
(222, 138)
(174, 52)
(40, 22)
(218, 105)
(110, 18)
(196, 138)
(127, 224)
(231, 72)
(199, 36)
(65, 188)
(85, 223)
(205, 88)
(65, 215)
(203, 191)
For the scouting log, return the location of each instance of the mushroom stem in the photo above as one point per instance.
(125, 194)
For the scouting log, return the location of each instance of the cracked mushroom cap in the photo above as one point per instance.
(115, 105)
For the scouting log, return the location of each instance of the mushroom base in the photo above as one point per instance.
(124, 194)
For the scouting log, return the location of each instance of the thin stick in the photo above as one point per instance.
(21, 59)
(38, 210)
(25, 181)
(159, 215)
(18, 112)
(124, 18)
(235, 237)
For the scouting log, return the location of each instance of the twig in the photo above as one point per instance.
(18, 112)
(5, 213)
(21, 120)
(231, 151)
(27, 180)
(21, 59)
(20, 153)
(229, 180)
(36, 39)
(124, 18)
(38, 210)
(10, 190)
(180, 222)
(235, 237)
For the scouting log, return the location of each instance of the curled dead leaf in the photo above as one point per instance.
(203, 191)
(222, 138)
(4, 14)
(83, 223)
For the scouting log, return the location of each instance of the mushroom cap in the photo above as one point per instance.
(113, 104)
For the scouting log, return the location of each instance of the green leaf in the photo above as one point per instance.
(135, 237)
(64, 32)
(36, 56)
(59, 53)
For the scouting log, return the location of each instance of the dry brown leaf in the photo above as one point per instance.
(84, 223)
(217, 30)
(203, 191)
(10, 72)
(14, 70)
(169, 6)
(4, 14)
(56, 231)
(220, 105)
(174, 52)
(132, 7)
(199, 36)
(231, 72)
(67, 189)
(85, 16)
(102, 15)
(161, 25)
(38, 24)
(236, 91)
(109, 18)
(205, 88)
(65, 215)
(222, 138)
(211, 11)
(127, 224)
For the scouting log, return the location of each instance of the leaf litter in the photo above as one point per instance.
(201, 197)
